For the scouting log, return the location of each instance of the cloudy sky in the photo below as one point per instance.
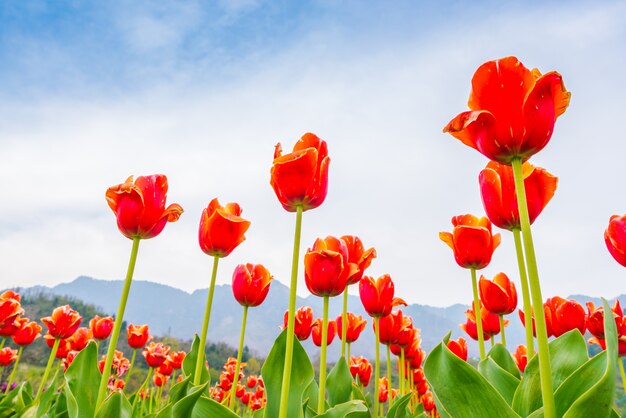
(92, 92)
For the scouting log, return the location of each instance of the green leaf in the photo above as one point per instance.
(398, 409)
(504, 382)
(115, 405)
(503, 358)
(272, 372)
(309, 399)
(350, 409)
(339, 383)
(189, 363)
(179, 390)
(461, 390)
(72, 404)
(83, 379)
(208, 408)
(187, 404)
(567, 353)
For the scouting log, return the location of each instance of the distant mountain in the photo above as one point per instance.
(170, 311)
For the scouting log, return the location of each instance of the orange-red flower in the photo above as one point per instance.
(139, 206)
(252, 381)
(471, 241)
(521, 357)
(251, 283)
(615, 238)
(166, 369)
(359, 256)
(10, 310)
(303, 322)
(316, 332)
(101, 328)
(326, 267)
(497, 189)
(301, 177)
(222, 228)
(490, 322)
(120, 364)
(12, 327)
(7, 356)
(595, 319)
(428, 401)
(498, 295)
(564, 315)
(176, 359)
(360, 367)
(458, 347)
(513, 110)
(11, 294)
(415, 355)
(138, 336)
(80, 338)
(65, 345)
(389, 327)
(155, 354)
(377, 296)
(355, 325)
(29, 332)
(63, 322)
(159, 379)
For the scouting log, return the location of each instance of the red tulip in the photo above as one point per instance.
(615, 238)
(140, 206)
(326, 267)
(471, 241)
(422, 387)
(80, 338)
(120, 364)
(497, 189)
(7, 356)
(458, 347)
(595, 319)
(155, 354)
(396, 329)
(301, 177)
(10, 310)
(418, 376)
(166, 369)
(490, 322)
(359, 366)
(513, 110)
(101, 327)
(621, 343)
(10, 294)
(499, 296)
(377, 295)
(355, 325)
(251, 283)
(65, 345)
(303, 322)
(563, 316)
(11, 328)
(415, 355)
(359, 256)
(521, 357)
(316, 332)
(63, 322)
(29, 332)
(159, 379)
(138, 336)
(222, 228)
(251, 382)
(176, 359)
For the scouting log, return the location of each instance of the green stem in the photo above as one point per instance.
(132, 363)
(284, 391)
(158, 397)
(142, 387)
(322, 396)
(205, 324)
(402, 372)
(528, 311)
(492, 339)
(233, 389)
(348, 353)
(479, 322)
(4, 339)
(502, 330)
(389, 372)
(119, 318)
(12, 375)
(152, 397)
(53, 354)
(535, 291)
(344, 323)
(621, 370)
(376, 366)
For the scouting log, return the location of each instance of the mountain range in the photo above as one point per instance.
(172, 312)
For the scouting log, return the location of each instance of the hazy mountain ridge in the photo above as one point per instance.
(171, 311)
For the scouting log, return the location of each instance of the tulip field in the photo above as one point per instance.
(512, 114)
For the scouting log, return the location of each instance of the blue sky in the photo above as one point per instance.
(91, 92)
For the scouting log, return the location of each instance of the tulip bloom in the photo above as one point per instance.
(513, 110)
(359, 256)
(63, 322)
(316, 332)
(138, 336)
(303, 322)
(301, 177)
(7, 356)
(355, 325)
(499, 296)
(11, 328)
(155, 354)
(28, 333)
(176, 359)
(10, 310)
(471, 241)
(389, 327)
(490, 323)
(326, 267)
(139, 206)
(377, 295)
(361, 368)
(521, 357)
(251, 283)
(564, 315)
(428, 401)
(101, 327)
(80, 338)
(65, 346)
(497, 190)
(615, 238)
(458, 347)
(222, 228)
(595, 319)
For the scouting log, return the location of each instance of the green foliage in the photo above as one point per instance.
(339, 383)
(83, 380)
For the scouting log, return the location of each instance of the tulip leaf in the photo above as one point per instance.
(398, 409)
(350, 409)
(309, 399)
(567, 353)
(503, 358)
(301, 376)
(339, 383)
(189, 363)
(179, 390)
(504, 382)
(83, 380)
(117, 406)
(460, 389)
(208, 408)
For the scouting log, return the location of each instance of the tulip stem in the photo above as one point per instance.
(535, 290)
(376, 366)
(322, 396)
(233, 389)
(477, 316)
(621, 370)
(119, 318)
(53, 354)
(205, 325)
(502, 330)
(348, 353)
(132, 363)
(528, 311)
(142, 387)
(402, 370)
(284, 391)
(344, 323)
(17, 360)
(4, 339)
